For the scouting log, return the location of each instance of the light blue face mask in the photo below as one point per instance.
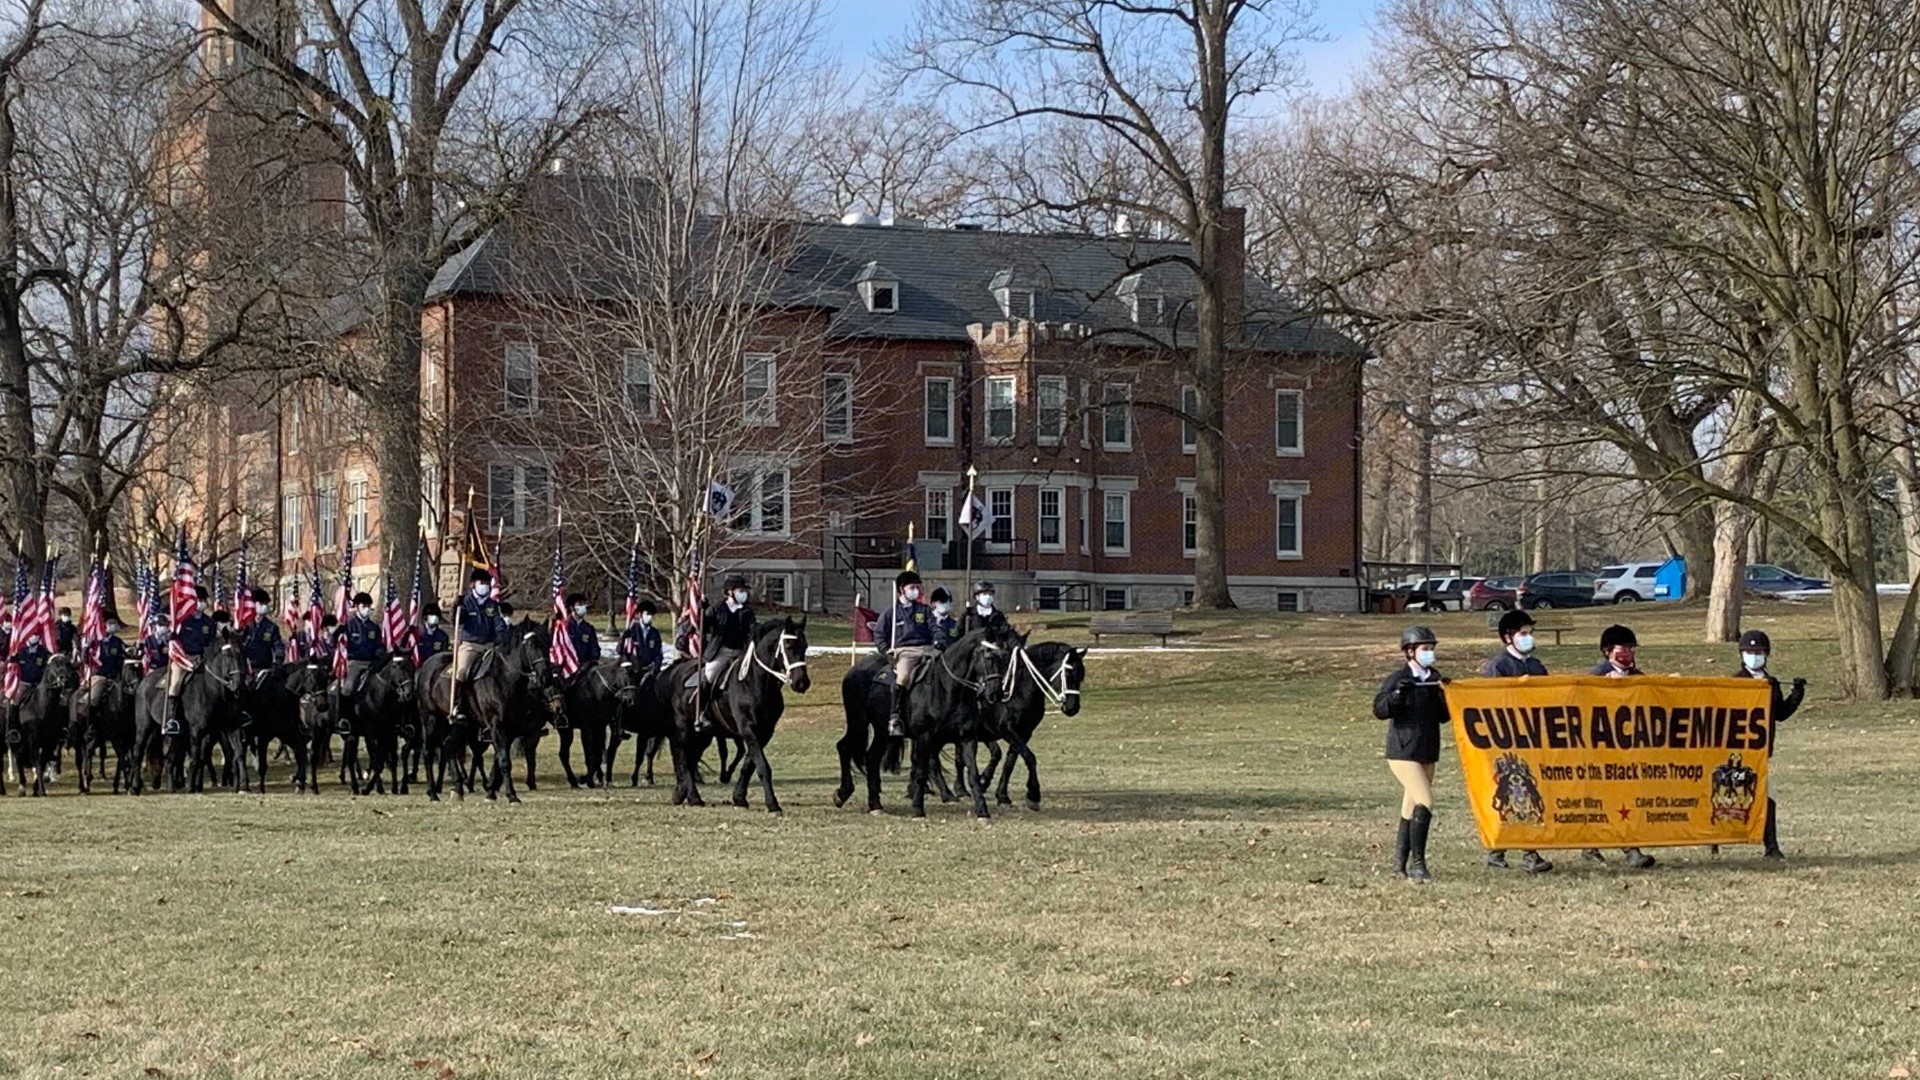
(1423, 657)
(1523, 643)
(1755, 661)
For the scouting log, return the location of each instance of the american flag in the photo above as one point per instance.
(185, 601)
(395, 629)
(316, 611)
(633, 584)
(93, 616)
(218, 586)
(143, 600)
(43, 607)
(560, 643)
(694, 610)
(345, 606)
(414, 614)
(244, 611)
(22, 595)
(292, 619)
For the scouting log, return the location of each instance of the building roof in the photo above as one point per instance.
(947, 280)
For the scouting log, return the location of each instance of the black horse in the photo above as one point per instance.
(593, 702)
(102, 716)
(1049, 673)
(280, 703)
(444, 742)
(375, 715)
(746, 705)
(44, 716)
(509, 696)
(951, 697)
(533, 699)
(209, 710)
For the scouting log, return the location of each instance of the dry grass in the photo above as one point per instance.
(1205, 894)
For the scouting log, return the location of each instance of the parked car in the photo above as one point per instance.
(1772, 579)
(1555, 588)
(1441, 594)
(1625, 584)
(1492, 594)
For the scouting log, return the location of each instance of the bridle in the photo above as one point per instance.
(791, 665)
(978, 686)
(1057, 695)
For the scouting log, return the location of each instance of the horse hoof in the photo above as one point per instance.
(574, 784)
(919, 811)
(776, 811)
(949, 798)
(1003, 800)
(840, 798)
(513, 799)
(1033, 804)
(741, 803)
(875, 811)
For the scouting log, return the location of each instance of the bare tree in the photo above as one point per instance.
(1135, 106)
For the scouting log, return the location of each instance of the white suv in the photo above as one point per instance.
(1625, 584)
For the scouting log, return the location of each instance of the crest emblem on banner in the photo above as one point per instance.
(1515, 796)
(1735, 790)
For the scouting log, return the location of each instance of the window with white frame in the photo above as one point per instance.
(517, 494)
(836, 399)
(290, 505)
(1116, 424)
(1287, 414)
(638, 380)
(326, 515)
(521, 378)
(1286, 525)
(1286, 600)
(1050, 409)
(1085, 502)
(761, 501)
(1000, 504)
(1115, 599)
(939, 411)
(357, 510)
(1000, 418)
(1086, 413)
(1189, 524)
(430, 509)
(1186, 597)
(1190, 407)
(1016, 303)
(939, 512)
(777, 589)
(1053, 519)
(1117, 519)
(1049, 598)
(757, 383)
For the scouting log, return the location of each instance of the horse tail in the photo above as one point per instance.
(891, 762)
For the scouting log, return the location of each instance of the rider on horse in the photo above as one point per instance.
(480, 627)
(946, 628)
(194, 634)
(906, 628)
(31, 658)
(982, 615)
(261, 644)
(586, 640)
(641, 645)
(431, 640)
(361, 638)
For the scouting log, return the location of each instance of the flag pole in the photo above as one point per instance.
(972, 474)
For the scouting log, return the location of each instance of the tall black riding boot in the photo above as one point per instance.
(1401, 844)
(170, 718)
(1771, 838)
(1417, 845)
(896, 710)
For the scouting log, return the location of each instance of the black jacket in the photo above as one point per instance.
(725, 629)
(1408, 702)
(972, 620)
(1783, 705)
(1505, 665)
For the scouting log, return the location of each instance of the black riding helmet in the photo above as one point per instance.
(480, 575)
(261, 596)
(1756, 641)
(941, 596)
(430, 608)
(576, 598)
(735, 581)
(1417, 635)
(1513, 622)
(361, 599)
(1616, 635)
(905, 578)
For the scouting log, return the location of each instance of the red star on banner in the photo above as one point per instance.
(1624, 812)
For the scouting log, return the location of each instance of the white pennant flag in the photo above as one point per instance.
(719, 499)
(975, 517)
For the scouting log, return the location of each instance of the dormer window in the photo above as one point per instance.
(879, 288)
(1015, 303)
(1148, 310)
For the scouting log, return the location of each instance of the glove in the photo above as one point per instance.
(1799, 686)
(1398, 697)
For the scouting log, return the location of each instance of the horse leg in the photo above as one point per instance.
(653, 749)
(755, 755)
(1033, 777)
(527, 747)
(691, 755)
(726, 769)
(594, 740)
(993, 762)
(969, 763)
(939, 774)
(917, 776)
(566, 759)
(876, 755)
(847, 748)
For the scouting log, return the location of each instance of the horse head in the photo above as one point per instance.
(530, 657)
(398, 674)
(60, 676)
(780, 649)
(1066, 680)
(986, 662)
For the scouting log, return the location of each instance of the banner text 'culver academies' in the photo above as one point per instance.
(1636, 727)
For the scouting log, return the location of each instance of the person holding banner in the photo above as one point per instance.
(1514, 661)
(1617, 648)
(1755, 649)
(1414, 703)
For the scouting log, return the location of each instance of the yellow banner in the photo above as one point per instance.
(1587, 762)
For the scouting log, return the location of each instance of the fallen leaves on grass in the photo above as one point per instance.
(440, 1069)
(863, 1039)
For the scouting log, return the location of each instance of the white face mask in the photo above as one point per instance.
(579, 611)
(740, 596)
(66, 619)
(646, 618)
(984, 602)
(481, 589)
(433, 620)
(1523, 644)
(363, 612)
(1755, 661)
(913, 592)
(942, 608)
(1423, 657)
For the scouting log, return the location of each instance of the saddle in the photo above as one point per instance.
(488, 662)
(885, 677)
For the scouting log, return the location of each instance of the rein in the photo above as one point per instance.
(976, 687)
(785, 677)
(1057, 696)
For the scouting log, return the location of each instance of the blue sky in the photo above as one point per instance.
(859, 25)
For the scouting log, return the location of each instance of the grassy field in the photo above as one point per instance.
(1206, 893)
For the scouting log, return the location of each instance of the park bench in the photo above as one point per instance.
(1146, 623)
(1493, 620)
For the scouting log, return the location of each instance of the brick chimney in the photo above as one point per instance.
(1233, 267)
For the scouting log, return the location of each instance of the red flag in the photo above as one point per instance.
(692, 613)
(291, 616)
(185, 600)
(93, 616)
(395, 628)
(863, 620)
(560, 648)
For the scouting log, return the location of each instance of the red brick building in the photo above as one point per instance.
(1049, 363)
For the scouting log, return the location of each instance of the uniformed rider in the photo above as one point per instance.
(361, 638)
(194, 635)
(261, 643)
(983, 615)
(586, 640)
(640, 645)
(946, 627)
(431, 640)
(726, 629)
(478, 627)
(1413, 702)
(905, 633)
